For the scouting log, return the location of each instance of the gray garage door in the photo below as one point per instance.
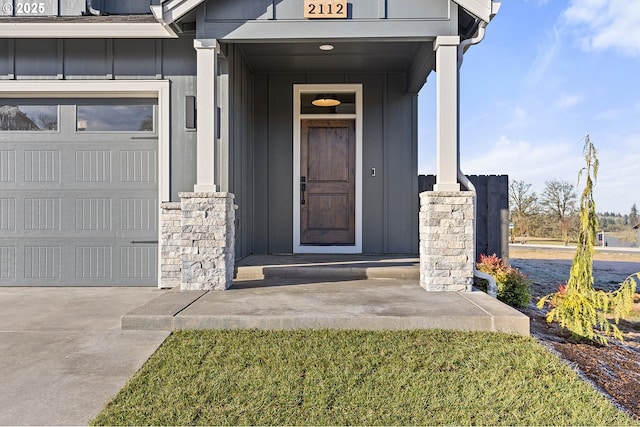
(78, 192)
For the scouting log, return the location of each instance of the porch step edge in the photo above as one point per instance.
(328, 273)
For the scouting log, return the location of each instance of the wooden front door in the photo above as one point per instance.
(327, 182)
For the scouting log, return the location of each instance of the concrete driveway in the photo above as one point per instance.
(62, 353)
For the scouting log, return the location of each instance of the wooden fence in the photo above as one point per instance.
(492, 225)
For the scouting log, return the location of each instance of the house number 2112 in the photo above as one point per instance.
(325, 9)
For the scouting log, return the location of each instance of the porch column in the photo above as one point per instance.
(207, 216)
(206, 95)
(447, 127)
(446, 219)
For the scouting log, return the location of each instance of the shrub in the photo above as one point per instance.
(513, 286)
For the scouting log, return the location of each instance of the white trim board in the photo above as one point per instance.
(109, 89)
(85, 30)
(299, 89)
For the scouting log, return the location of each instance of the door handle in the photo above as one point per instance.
(303, 189)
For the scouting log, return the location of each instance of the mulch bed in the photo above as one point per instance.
(614, 370)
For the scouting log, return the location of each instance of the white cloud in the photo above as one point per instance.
(538, 3)
(567, 101)
(536, 162)
(609, 114)
(617, 187)
(546, 54)
(533, 162)
(519, 118)
(519, 113)
(606, 24)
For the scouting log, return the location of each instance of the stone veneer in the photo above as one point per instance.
(170, 244)
(208, 240)
(197, 241)
(447, 252)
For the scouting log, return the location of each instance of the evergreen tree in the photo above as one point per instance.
(633, 216)
(577, 306)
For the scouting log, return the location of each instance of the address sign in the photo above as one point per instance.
(317, 9)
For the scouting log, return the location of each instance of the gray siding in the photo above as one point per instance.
(280, 142)
(233, 10)
(389, 144)
(241, 149)
(70, 59)
(284, 19)
(259, 130)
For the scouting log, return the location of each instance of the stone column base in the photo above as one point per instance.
(447, 241)
(170, 244)
(197, 242)
(208, 241)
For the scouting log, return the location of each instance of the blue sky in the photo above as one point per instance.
(548, 73)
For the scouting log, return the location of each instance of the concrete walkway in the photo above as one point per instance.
(359, 304)
(326, 291)
(63, 354)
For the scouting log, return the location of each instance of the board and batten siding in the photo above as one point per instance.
(115, 59)
(238, 129)
(233, 10)
(235, 20)
(390, 216)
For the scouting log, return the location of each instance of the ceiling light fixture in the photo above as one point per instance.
(326, 47)
(325, 100)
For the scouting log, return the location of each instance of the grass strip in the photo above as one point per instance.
(330, 377)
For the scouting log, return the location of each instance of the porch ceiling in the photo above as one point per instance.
(345, 57)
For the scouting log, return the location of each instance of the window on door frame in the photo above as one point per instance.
(305, 89)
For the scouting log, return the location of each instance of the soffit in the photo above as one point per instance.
(346, 56)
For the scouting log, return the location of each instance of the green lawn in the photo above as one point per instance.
(330, 377)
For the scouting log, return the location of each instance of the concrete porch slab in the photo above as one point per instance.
(341, 304)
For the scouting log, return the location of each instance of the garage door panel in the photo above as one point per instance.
(93, 214)
(78, 208)
(92, 166)
(52, 262)
(138, 166)
(42, 214)
(42, 166)
(42, 261)
(138, 261)
(7, 261)
(93, 262)
(7, 166)
(8, 214)
(138, 214)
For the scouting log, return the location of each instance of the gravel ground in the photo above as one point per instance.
(614, 370)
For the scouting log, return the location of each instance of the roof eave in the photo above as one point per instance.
(85, 30)
(171, 10)
(481, 9)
